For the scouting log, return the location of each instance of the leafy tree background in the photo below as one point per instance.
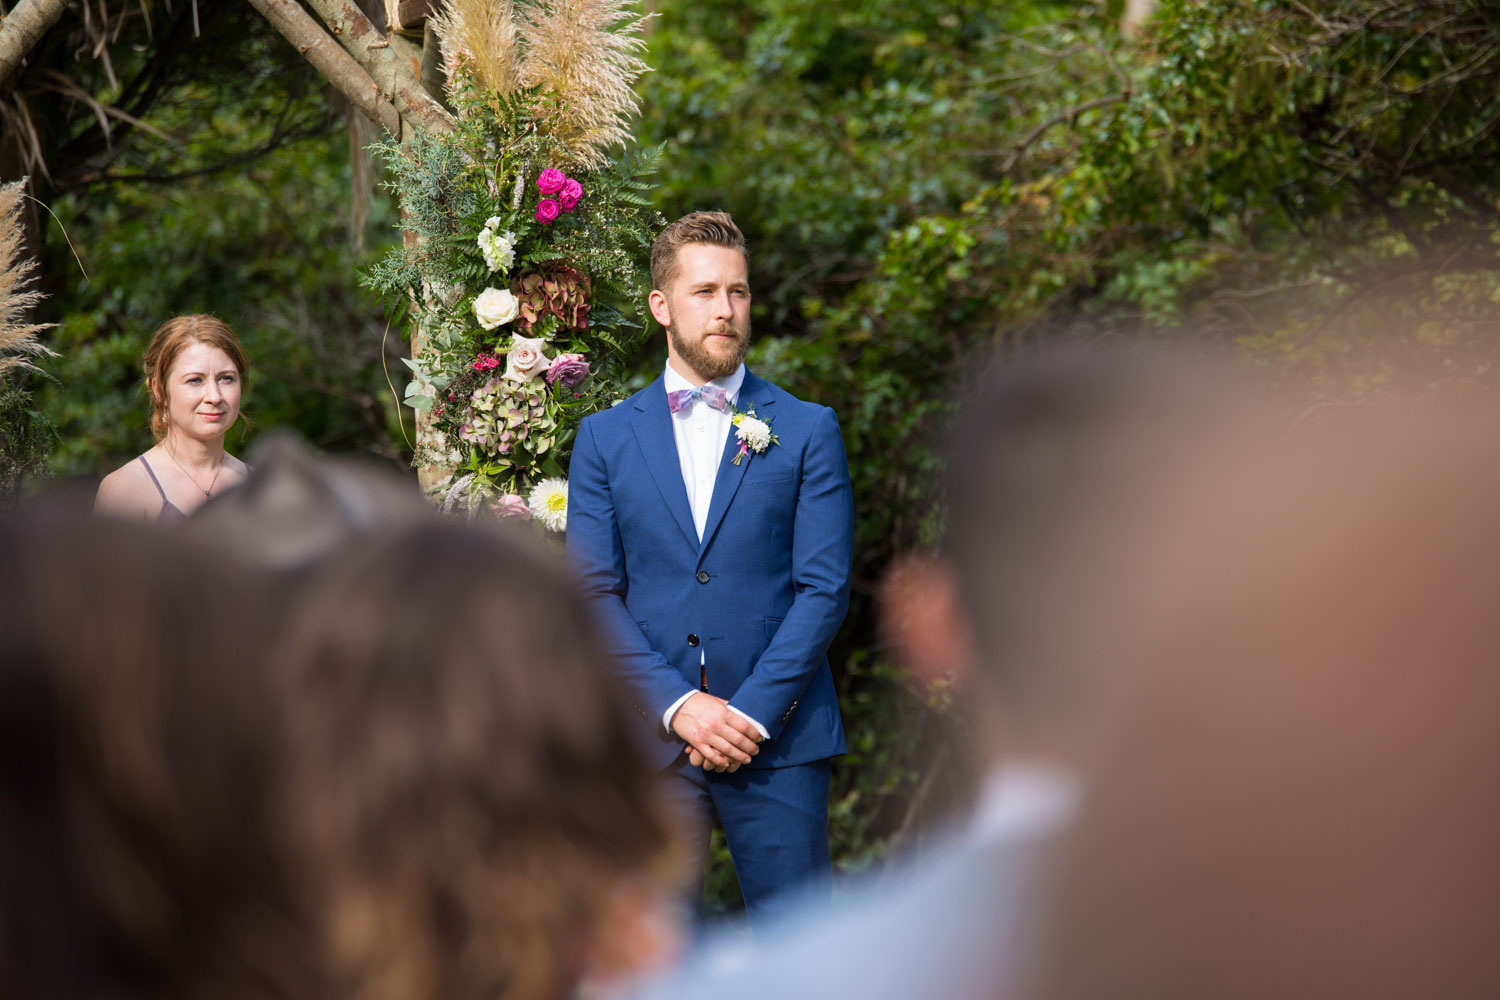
(927, 189)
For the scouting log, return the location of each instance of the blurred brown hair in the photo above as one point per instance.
(135, 764)
(168, 342)
(711, 228)
(1300, 804)
(466, 778)
(1056, 469)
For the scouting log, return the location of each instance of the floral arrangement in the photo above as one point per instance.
(522, 273)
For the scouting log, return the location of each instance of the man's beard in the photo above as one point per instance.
(708, 364)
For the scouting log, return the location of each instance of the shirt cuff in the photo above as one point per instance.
(666, 718)
(765, 734)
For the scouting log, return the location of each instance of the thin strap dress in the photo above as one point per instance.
(169, 511)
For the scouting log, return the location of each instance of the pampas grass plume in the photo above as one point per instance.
(18, 343)
(585, 53)
(478, 38)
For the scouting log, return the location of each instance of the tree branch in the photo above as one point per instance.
(232, 162)
(1058, 119)
(22, 28)
(398, 77)
(337, 66)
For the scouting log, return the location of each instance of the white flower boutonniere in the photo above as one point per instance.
(754, 434)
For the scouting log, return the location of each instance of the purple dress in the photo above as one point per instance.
(169, 512)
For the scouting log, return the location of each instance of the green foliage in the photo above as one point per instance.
(1329, 204)
(25, 440)
(269, 252)
(235, 197)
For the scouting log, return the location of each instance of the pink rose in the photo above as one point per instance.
(510, 505)
(569, 369)
(525, 360)
(547, 210)
(551, 181)
(571, 192)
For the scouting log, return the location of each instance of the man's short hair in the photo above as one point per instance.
(712, 228)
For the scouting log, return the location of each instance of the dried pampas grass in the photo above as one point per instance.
(18, 343)
(584, 53)
(478, 38)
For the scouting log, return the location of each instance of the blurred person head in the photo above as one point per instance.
(1059, 470)
(294, 506)
(188, 359)
(467, 783)
(136, 761)
(1298, 803)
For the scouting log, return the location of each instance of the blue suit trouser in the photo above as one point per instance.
(775, 822)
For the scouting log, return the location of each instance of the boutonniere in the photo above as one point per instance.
(754, 433)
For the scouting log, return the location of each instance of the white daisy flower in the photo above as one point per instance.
(549, 503)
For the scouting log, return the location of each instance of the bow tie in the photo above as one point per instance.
(681, 399)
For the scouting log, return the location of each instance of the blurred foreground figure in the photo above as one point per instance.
(137, 860)
(1060, 474)
(1301, 804)
(480, 822)
(295, 506)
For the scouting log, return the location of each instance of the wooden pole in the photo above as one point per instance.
(328, 58)
(22, 28)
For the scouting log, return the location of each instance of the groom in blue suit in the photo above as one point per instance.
(710, 524)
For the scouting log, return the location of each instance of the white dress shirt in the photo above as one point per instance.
(701, 432)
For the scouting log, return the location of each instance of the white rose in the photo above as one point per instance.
(755, 433)
(525, 360)
(495, 306)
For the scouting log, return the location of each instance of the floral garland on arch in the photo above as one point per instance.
(526, 272)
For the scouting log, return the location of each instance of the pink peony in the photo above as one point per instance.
(547, 210)
(568, 369)
(571, 192)
(510, 505)
(551, 181)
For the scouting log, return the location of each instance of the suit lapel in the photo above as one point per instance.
(653, 432)
(754, 395)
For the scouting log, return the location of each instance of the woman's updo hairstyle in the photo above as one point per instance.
(168, 342)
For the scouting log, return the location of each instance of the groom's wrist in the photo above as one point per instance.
(765, 733)
(671, 712)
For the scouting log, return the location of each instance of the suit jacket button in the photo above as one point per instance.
(692, 638)
(703, 576)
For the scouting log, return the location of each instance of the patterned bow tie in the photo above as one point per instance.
(681, 399)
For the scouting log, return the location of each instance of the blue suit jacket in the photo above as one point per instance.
(764, 591)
